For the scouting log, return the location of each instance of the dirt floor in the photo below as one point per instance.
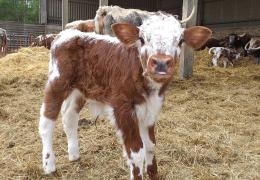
(209, 127)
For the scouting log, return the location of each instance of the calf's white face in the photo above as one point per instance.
(158, 42)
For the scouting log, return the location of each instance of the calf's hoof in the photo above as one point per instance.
(49, 169)
(74, 154)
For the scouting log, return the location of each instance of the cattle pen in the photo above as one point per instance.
(208, 126)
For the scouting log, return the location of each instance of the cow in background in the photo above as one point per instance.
(44, 40)
(213, 42)
(82, 25)
(239, 41)
(108, 15)
(253, 48)
(3, 41)
(226, 54)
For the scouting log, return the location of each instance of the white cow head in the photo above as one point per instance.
(158, 42)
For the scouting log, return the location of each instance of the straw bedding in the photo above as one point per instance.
(209, 127)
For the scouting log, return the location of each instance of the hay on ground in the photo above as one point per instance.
(208, 127)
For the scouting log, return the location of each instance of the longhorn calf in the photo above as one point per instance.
(253, 47)
(228, 55)
(238, 41)
(87, 67)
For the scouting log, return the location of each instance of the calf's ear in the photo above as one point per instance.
(196, 36)
(126, 33)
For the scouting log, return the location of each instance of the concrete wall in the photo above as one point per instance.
(170, 6)
(223, 31)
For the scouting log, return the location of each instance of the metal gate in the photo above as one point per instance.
(78, 10)
(21, 35)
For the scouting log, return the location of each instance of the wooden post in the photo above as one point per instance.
(65, 12)
(43, 12)
(103, 2)
(186, 58)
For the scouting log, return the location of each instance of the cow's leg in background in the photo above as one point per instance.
(257, 60)
(148, 138)
(70, 117)
(127, 124)
(54, 94)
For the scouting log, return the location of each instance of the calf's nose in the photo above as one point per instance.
(161, 67)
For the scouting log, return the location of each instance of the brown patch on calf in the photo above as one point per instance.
(151, 134)
(152, 168)
(136, 173)
(80, 103)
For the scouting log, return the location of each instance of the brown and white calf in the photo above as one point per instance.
(44, 40)
(82, 25)
(122, 78)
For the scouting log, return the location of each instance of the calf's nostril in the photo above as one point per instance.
(161, 67)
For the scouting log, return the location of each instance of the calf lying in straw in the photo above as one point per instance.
(227, 55)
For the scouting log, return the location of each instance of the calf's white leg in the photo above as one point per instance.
(46, 128)
(70, 117)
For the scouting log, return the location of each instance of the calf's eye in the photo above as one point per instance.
(142, 40)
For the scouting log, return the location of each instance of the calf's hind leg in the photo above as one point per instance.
(70, 117)
(50, 109)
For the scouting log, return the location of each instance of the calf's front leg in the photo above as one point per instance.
(128, 127)
(148, 138)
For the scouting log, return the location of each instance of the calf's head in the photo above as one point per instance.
(232, 39)
(158, 49)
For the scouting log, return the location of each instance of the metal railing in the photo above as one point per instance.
(78, 10)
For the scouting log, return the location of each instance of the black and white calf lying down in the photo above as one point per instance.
(226, 54)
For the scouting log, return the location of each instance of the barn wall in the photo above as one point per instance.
(170, 6)
(230, 16)
(230, 12)
(223, 16)
(148, 5)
